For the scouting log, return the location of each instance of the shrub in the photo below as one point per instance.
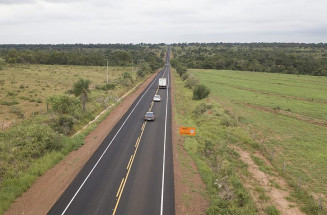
(64, 104)
(126, 79)
(201, 108)
(200, 92)
(32, 140)
(63, 124)
(143, 70)
(9, 93)
(140, 73)
(191, 81)
(271, 210)
(105, 87)
(185, 76)
(9, 103)
(228, 121)
(17, 110)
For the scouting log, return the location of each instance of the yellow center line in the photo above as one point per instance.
(143, 125)
(129, 161)
(141, 133)
(129, 166)
(137, 141)
(119, 187)
(122, 189)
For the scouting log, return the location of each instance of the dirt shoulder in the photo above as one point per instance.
(47, 189)
(189, 188)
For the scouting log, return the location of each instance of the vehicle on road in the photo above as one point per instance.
(149, 116)
(162, 82)
(157, 98)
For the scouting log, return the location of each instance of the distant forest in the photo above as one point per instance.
(85, 54)
(291, 58)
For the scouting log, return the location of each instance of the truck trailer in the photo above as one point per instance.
(162, 82)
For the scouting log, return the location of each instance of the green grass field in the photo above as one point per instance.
(285, 114)
(25, 88)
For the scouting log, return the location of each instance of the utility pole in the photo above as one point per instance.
(132, 66)
(107, 73)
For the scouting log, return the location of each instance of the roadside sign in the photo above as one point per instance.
(187, 131)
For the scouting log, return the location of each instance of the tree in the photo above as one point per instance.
(81, 88)
(200, 92)
(143, 70)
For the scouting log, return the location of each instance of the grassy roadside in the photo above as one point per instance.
(15, 179)
(219, 166)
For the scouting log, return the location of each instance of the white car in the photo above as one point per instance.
(157, 98)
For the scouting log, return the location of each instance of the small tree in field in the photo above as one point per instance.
(81, 88)
(200, 92)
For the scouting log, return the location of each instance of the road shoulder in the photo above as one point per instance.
(189, 187)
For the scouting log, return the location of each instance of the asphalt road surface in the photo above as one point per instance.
(132, 170)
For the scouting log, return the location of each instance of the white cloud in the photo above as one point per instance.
(102, 21)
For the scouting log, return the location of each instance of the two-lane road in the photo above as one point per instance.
(132, 170)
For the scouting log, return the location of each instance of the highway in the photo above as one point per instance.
(132, 170)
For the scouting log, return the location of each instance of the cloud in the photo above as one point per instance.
(86, 21)
(11, 2)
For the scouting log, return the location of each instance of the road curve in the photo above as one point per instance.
(132, 170)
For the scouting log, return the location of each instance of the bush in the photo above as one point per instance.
(202, 108)
(185, 76)
(63, 124)
(271, 210)
(17, 110)
(32, 140)
(105, 87)
(140, 73)
(9, 103)
(191, 82)
(200, 92)
(64, 104)
(126, 79)
(144, 69)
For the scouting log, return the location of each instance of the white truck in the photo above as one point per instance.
(162, 82)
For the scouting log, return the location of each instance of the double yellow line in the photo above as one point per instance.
(129, 166)
(131, 160)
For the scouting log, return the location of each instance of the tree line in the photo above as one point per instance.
(89, 55)
(291, 58)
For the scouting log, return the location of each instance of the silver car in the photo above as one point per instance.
(149, 116)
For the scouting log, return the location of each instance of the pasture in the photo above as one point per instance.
(286, 116)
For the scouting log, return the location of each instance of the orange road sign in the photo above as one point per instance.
(187, 131)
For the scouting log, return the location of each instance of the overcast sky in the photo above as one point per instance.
(166, 21)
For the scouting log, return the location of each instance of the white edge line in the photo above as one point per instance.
(106, 149)
(164, 153)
